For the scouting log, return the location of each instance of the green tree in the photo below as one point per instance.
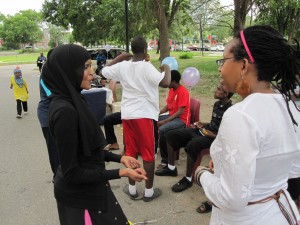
(57, 36)
(2, 18)
(164, 16)
(205, 14)
(93, 22)
(283, 15)
(241, 9)
(22, 28)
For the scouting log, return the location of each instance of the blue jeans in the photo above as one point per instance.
(171, 125)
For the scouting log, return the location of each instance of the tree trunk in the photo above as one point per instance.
(294, 24)
(241, 8)
(162, 24)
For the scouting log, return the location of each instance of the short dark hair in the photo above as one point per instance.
(175, 76)
(138, 45)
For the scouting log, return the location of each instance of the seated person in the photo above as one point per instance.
(147, 58)
(194, 140)
(100, 82)
(101, 61)
(178, 106)
(109, 121)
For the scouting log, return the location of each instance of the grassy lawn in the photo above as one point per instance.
(206, 65)
(209, 75)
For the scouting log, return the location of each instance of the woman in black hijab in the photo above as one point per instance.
(81, 182)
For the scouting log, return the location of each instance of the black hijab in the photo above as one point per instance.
(63, 74)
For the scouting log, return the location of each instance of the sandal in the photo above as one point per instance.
(205, 207)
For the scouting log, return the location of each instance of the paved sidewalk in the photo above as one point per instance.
(25, 176)
(170, 208)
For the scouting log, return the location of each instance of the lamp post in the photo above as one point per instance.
(126, 25)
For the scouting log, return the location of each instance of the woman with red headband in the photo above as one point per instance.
(258, 145)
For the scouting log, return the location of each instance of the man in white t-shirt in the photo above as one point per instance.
(140, 108)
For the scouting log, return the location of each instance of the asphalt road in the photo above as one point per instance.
(26, 190)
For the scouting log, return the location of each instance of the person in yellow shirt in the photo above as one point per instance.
(19, 85)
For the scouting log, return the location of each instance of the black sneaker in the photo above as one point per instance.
(182, 185)
(166, 172)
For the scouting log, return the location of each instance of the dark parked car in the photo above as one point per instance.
(113, 52)
(193, 48)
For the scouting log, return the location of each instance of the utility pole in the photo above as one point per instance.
(126, 25)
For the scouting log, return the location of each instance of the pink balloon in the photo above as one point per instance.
(190, 76)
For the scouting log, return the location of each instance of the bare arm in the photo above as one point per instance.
(124, 56)
(172, 117)
(165, 82)
(164, 110)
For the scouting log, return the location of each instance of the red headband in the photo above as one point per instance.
(246, 46)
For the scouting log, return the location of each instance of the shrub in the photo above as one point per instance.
(186, 55)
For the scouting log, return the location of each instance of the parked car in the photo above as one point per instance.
(217, 47)
(199, 48)
(113, 52)
(193, 48)
(179, 48)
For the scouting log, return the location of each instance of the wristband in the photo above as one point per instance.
(199, 173)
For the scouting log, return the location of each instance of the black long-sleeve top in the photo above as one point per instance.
(81, 181)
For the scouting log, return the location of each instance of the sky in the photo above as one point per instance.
(11, 7)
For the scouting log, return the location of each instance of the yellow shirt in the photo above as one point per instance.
(20, 93)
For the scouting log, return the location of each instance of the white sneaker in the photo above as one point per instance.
(25, 112)
(19, 116)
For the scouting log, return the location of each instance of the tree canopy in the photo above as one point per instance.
(98, 22)
(24, 28)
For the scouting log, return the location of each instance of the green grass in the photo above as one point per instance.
(18, 58)
(206, 65)
(209, 75)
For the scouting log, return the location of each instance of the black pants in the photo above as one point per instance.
(114, 214)
(19, 106)
(109, 121)
(294, 188)
(40, 65)
(190, 138)
(52, 150)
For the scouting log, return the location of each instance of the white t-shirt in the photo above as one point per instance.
(140, 81)
(255, 152)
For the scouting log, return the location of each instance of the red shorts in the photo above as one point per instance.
(139, 138)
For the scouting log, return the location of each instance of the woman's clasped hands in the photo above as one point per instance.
(133, 170)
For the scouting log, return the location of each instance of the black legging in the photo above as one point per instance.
(190, 138)
(109, 121)
(294, 188)
(19, 106)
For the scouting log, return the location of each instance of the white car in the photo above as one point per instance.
(216, 48)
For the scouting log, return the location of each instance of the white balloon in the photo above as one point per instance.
(107, 48)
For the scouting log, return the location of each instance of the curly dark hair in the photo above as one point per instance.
(276, 61)
(138, 45)
(175, 76)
